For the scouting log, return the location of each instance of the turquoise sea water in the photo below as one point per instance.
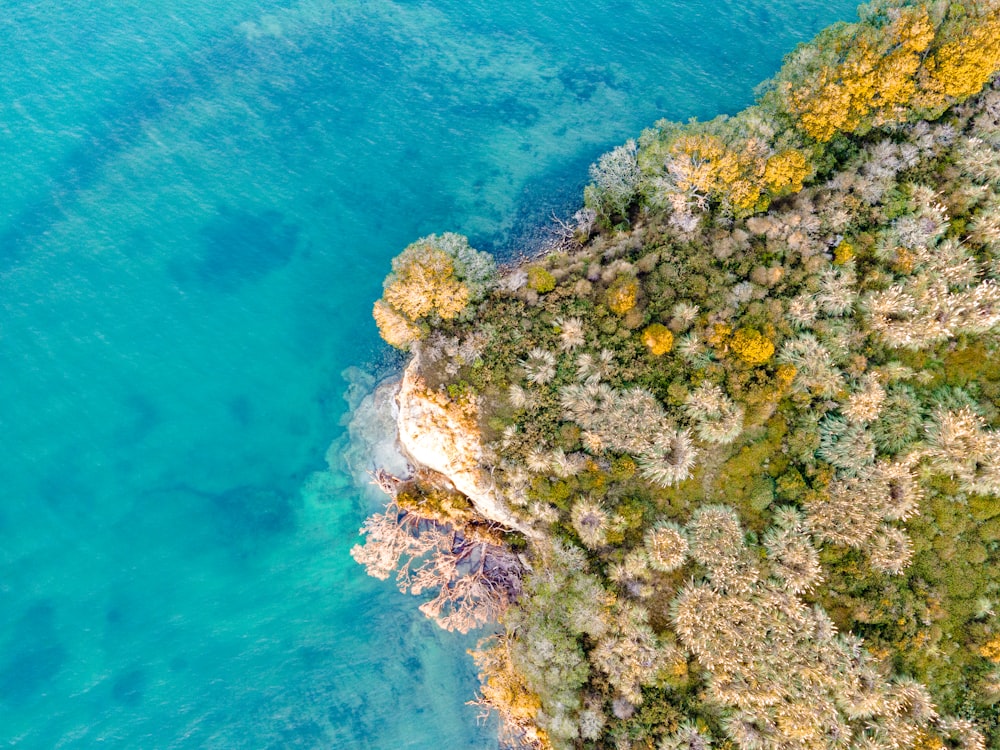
(198, 202)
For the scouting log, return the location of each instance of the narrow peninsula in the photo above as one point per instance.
(722, 467)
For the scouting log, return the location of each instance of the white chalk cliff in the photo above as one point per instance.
(436, 434)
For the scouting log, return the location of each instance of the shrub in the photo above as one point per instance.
(785, 172)
(991, 649)
(716, 417)
(849, 447)
(590, 522)
(793, 558)
(622, 295)
(670, 459)
(829, 91)
(658, 338)
(397, 330)
(423, 281)
(900, 422)
(890, 550)
(666, 546)
(616, 178)
(843, 253)
(751, 346)
(540, 280)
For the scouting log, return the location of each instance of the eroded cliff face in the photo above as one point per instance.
(437, 434)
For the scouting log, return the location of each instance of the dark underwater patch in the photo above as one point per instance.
(112, 131)
(35, 656)
(251, 512)
(516, 111)
(583, 82)
(554, 193)
(413, 666)
(128, 688)
(26, 673)
(241, 410)
(351, 721)
(237, 246)
(245, 516)
(178, 664)
(66, 491)
(143, 418)
(314, 658)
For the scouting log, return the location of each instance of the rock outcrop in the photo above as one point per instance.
(437, 434)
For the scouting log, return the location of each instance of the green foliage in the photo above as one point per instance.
(796, 384)
(616, 183)
(983, 507)
(623, 468)
(567, 604)
(430, 501)
(555, 492)
(540, 279)
(901, 421)
(739, 481)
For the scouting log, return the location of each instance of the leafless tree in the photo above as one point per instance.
(472, 580)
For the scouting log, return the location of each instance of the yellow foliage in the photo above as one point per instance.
(873, 81)
(881, 70)
(705, 165)
(678, 668)
(905, 261)
(823, 105)
(745, 195)
(518, 702)
(786, 171)
(843, 253)
(423, 281)
(704, 159)
(719, 335)
(962, 66)
(991, 649)
(895, 84)
(927, 741)
(504, 690)
(751, 346)
(622, 295)
(397, 330)
(784, 376)
(658, 338)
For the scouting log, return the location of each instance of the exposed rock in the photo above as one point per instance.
(437, 434)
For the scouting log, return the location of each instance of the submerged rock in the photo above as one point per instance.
(372, 440)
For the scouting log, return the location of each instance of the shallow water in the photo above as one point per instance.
(200, 199)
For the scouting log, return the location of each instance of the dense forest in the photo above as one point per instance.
(744, 414)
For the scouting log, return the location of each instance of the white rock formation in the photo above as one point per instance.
(438, 435)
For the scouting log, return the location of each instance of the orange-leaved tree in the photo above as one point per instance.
(432, 280)
(903, 60)
(965, 57)
(735, 162)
